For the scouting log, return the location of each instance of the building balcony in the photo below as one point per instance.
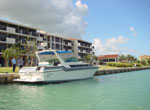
(2, 27)
(69, 44)
(12, 30)
(30, 43)
(84, 51)
(10, 40)
(40, 47)
(40, 39)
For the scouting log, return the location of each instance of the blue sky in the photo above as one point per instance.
(112, 18)
(113, 26)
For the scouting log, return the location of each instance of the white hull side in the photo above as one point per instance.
(59, 76)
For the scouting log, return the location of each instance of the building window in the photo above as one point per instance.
(57, 46)
(53, 38)
(2, 47)
(3, 37)
(22, 40)
(60, 40)
(53, 47)
(61, 47)
(3, 26)
(48, 45)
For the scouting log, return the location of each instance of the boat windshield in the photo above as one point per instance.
(49, 57)
(67, 56)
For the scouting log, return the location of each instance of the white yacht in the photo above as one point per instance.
(56, 66)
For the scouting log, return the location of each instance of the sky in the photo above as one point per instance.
(113, 26)
(119, 26)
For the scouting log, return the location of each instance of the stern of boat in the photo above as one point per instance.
(30, 74)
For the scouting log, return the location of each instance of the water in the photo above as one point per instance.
(126, 91)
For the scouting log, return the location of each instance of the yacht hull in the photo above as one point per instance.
(57, 75)
(69, 75)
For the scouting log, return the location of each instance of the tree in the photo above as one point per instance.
(91, 58)
(7, 54)
(138, 61)
(13, 51)
(95, 58)
(128, 58)
(122, 57)
(143, 62)
(30, 52)
(148, 61)
(131, 58)
(88, 58)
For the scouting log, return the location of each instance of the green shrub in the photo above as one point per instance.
(109, 64)
(137, 64)
(118, 64)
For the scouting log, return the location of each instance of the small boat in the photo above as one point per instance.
(56, 66)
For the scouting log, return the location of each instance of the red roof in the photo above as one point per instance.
(107, 56)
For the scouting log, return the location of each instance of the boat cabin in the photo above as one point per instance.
(55, 58)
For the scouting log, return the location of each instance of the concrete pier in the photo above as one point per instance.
(113, 71)
(8, 77)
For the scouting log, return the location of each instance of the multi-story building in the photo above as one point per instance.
(144, 57)
(82, 48)
(11, 33)
(54, 42)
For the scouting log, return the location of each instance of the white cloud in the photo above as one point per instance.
(133, 31)
(119, 40)
(60, 17)
(111, 46)
(82, 8)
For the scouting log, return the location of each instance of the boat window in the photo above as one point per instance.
(49, 57)
(67, 56)
(82, 65)
(71, 59)
(55, 61)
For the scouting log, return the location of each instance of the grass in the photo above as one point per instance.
(104, 67)
(8, 69)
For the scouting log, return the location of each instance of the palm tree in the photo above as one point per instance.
(122, 57)
(131, 58)
(13, 51)
(7, 54)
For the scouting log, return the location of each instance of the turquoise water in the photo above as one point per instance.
(125, 91)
